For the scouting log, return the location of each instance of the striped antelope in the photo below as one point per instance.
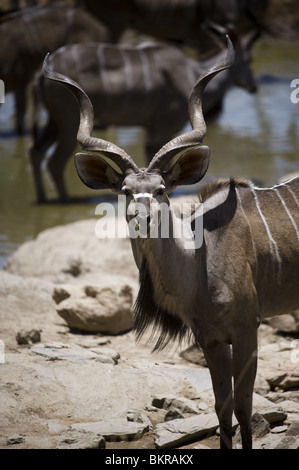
(27, 36)
(247, 267)
(146, 85)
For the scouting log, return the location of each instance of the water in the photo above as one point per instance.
(255, 136)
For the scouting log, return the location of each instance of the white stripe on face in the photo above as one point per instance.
(139, 195)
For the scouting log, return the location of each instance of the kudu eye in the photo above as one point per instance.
(126, 191)
(160, 191)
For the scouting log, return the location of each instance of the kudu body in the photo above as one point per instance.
(246, 268)
(165, 19)
(179, 21)
(27, 36)
(145, 86)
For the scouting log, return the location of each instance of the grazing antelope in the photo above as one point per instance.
(152, 80)
(26, 37)
(246, 268)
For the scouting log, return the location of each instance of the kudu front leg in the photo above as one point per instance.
(244, 372)
(58, 161)
(220, 365)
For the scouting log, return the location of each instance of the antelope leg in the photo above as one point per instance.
(219, 362)
(244, 372)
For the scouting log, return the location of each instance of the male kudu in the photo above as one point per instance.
(247, 267)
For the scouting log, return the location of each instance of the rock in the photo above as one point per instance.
(145, 419)
(183, 404)
(182, 431)
(202, 406)
(290, 382)
(55, 426)
(285, 381)
(82, 440)
(26, 305)
(61, 293)
(276, 380)
(279, 429)
(261, 386)
(134, 415)
(99, 309)
(289, 406)
(274, 416)
(173, 413)
(288, 442)
(114, 430)
(194, 355)
(285, 323)
(28, 336)
(71, 253)
(60, 351)
(111, 355)
(260, 426)
(270, 411)
(138, 417)
(13, 440)
(293, 429)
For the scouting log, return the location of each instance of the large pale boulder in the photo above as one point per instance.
(94, 280)
(99, 309)
(72, 252)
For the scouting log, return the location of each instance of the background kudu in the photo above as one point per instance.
(180, 20)
(247, 267)
(144, 86)
(27, 36)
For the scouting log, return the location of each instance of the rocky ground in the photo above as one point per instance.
(73, 376)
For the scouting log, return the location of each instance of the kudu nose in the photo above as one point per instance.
(144, 218)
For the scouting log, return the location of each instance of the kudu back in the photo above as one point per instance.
(245, 268)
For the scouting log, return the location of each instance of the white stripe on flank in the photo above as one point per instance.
(271, 239)
(128, 68)
(102, 65)
(250, 229)
(146, 70)
(139, 195)
(292, 193)
(276, 185)
(288, 212)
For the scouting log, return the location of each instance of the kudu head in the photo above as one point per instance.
(241, 71)
(146, 187)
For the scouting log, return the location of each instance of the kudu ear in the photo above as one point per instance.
(97, 173)
(190, 168)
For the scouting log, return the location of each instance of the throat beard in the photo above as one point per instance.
(148, 313)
